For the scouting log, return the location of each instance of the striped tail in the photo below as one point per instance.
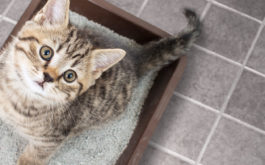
(160, 53)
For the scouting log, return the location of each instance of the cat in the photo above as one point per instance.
(57, 80)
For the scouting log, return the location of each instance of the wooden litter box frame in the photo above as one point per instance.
(132, 27)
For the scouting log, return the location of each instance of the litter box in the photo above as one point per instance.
(134, 28)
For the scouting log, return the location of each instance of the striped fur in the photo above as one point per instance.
(49, 114)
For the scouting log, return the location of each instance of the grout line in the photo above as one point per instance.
(196, 102)
(255, 71)
(142, 8)
(208, 139)
(9, 20)
(8, 7)
(230, 94)
(235, 11)
(171, 153)
(244, 124)
(205, 10)
(229, 60)
(227, 116)
(216, 55)
(254, 43)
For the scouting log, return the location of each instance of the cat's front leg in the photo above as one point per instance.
(37, 154)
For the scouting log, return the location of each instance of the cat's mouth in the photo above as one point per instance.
(27, 80)
(41, 84)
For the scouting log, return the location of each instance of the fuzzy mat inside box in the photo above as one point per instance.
(100, 146)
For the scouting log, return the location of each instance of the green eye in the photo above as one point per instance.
(69, 76)
(46, 53)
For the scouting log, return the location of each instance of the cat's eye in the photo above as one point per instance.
(69, 76)
(46, 53)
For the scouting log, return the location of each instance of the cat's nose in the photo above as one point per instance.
(47, 77)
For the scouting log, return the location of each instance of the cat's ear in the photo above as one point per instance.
(54, 13)
(103, 59)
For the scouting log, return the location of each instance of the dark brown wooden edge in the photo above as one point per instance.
(123, 22)
(164, 84)
(158, 108)
(150, 32)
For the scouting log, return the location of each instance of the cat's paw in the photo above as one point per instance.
(27, 161)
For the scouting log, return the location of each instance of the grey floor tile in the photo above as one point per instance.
(17, 9)
(168, 14)
(4, 4)
(233, 144)
(207, 79)
(184, 127)
(247, 102)
(5, 29)
(131, 6)
(250, 7)
(228, 33)
(153, 156)
(257, 58)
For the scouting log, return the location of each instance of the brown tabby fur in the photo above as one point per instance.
(47, 116)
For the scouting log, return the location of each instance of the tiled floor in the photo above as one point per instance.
(217, 115)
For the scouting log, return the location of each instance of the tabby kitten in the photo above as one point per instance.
(57, 80)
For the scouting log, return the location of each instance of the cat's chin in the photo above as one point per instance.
(44, 94)
(33, 88)
(41, 91)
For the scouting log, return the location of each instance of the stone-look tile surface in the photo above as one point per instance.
(5, 30)
(18, 8)
(184, 127)
(250, 7)
(131, 6)
(228, 33)
(257, 58)
(3, 5)
(153, 156)
(168, 14)
(207, 79)
(233, 144)
(248, 100)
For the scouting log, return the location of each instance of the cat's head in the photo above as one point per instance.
(52, 61)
